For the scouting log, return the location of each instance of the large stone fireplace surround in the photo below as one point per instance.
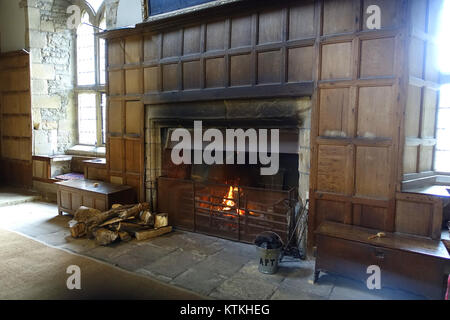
(290, 115)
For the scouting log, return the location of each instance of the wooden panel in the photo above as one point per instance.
(416, 56)
(301, 21)
(133, 152)
(135, 182)
(77, 200)
(335, 115)
(373, 172)
(116, 151)
(66, 201)
(151, 48)
(133, 50)
(17, 149)
(338, 16)
(116, 54)
(100, 204)
(171, 44)
(377, 57)
(12, 80)
(16, 126)
(412, 113)
(241, 32)
(334, 169)
(389, 13)
(337, 61)
(300, 64)
(330, 211)
(116, 83)
(426, 158)
(215, 36)
(270, 27)
(170, 77)
(133, 81)
(116, 180)
(410, 159)
(215, 73)
(375, 112)
(413, 218)
(134, 117)
(419, 215)
(429, 113)
(115, 116)
(370, 217)
(151, 79)
(14, 103)
(40, 169)
(191, 40)
(269, 67)
(88, 201)
(241, 67)
(191, 75)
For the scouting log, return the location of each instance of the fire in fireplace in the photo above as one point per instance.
(231, 201)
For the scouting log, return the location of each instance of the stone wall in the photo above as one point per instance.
(52, 77)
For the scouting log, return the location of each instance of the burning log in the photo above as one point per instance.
(105, 236)
(161, 220)
(152, 233)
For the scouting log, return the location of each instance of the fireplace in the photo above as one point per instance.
(227, 211)
(231, 201)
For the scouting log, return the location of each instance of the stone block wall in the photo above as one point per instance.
(52, 77)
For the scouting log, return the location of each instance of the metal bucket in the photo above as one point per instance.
(268, 260)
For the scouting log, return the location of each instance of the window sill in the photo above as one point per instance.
(88, 151)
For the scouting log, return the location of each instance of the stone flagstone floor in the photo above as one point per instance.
(213, 267)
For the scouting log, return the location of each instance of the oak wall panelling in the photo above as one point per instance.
(356, 120)
(358, 80)
(15, 119)
(125, 116)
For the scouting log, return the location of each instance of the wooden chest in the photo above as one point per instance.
(408, 263)
(76, 193)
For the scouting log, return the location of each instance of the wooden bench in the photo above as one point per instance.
(409, 263)
(93, 194)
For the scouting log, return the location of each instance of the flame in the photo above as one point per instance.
(229, 202)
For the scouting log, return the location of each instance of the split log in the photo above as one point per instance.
(124, 236)
(113, 221)
(83, 214)
(152, 233)
(107, 215)
(147, 218)
(133, 212)
(161, 220)
(78, 229)
(105, 237)
(131, 227)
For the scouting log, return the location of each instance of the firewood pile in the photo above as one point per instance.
(121, 223)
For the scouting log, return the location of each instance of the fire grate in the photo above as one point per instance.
(231, 212)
